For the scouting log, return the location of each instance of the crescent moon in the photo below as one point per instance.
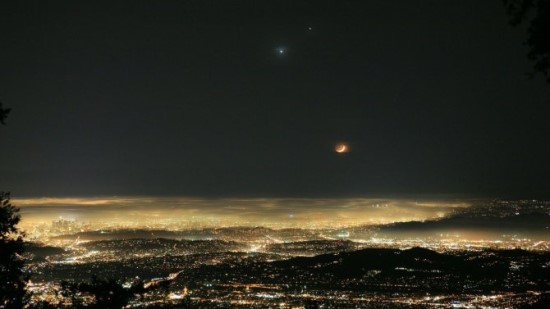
(341, 148)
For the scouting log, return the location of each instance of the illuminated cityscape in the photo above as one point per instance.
(439, 261)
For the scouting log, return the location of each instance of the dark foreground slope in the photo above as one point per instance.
(415, 270)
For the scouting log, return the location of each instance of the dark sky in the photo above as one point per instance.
(194, 98)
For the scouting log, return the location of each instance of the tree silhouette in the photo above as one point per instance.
(3, 114)
(12, 280)
(537, 14)
(106, 294)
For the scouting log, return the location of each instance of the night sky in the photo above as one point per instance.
(248, 98)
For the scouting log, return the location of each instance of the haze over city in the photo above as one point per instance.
(235, 212)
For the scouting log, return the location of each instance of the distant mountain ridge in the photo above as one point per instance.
(529, 224)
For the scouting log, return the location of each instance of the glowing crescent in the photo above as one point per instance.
(341, 148)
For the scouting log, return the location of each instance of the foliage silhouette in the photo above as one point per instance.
(106, 293)
(537, 12)
(3, 114)
(12, 279)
